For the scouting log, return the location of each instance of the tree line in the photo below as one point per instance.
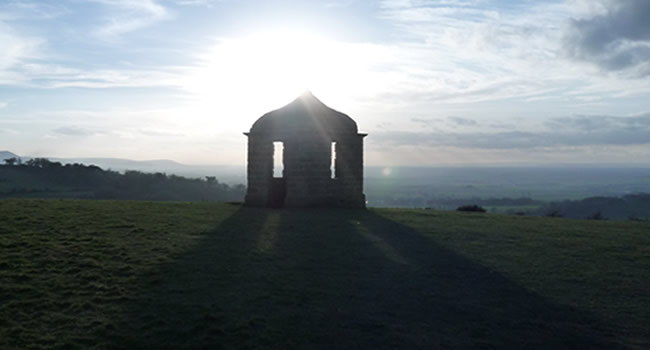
(41, 177)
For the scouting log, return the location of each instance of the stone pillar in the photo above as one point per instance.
(307, 170)
(349, 170)
(260, 170)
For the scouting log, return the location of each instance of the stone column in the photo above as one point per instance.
(259, 170)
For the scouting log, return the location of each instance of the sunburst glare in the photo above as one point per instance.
(272, 68)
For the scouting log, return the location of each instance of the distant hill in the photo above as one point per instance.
(43, 178)
(631, 206)
(6, 155)
(231, 174)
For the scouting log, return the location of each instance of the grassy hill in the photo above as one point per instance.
(122, 274)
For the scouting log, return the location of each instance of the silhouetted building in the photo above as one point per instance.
(318, 158)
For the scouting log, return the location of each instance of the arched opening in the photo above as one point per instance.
(278, 190)
(333, 160)
(278, 159)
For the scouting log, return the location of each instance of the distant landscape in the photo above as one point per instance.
(601, 192)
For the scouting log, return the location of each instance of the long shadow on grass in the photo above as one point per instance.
(195, 301)
(325, 279)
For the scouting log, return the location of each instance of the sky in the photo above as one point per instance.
(433, 82)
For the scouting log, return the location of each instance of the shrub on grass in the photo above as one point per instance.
(471, 208)
(597, 216)
(554, 214)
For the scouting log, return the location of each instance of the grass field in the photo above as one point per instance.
(109, 274)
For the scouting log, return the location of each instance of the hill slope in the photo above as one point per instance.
(6, 155)
(109, 274)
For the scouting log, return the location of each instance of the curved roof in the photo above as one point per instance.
(306, 114)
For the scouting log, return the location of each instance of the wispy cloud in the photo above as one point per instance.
(74, 131)
(578, 130)
(470, 51)
(160, 133)
(129, 15)
(198, 2)
(338, 3)
(33, 61)
(12, 10)
(17, 49)
(32, 73)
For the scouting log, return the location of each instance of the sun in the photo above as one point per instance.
(270, 66)
(252, 74)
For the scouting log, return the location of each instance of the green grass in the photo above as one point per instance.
(110, 274)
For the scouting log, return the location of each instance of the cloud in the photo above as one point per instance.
(473, 51)
(130, 15)
(397, 4)
(208, 3)
(9, 132)
(12, 10)
(580, 130)
(448, 122)
(34, 62)
(467, 51)
(17, 50)
(463, 121)
(339, 3)
(160, 133)
(616, 40)
(74, 131)
(52, 76)
(117, 16)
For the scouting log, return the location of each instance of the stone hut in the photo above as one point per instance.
(321, 155)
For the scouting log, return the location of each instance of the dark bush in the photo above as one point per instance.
(597, 216)
(471, 208)
(554, 214)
